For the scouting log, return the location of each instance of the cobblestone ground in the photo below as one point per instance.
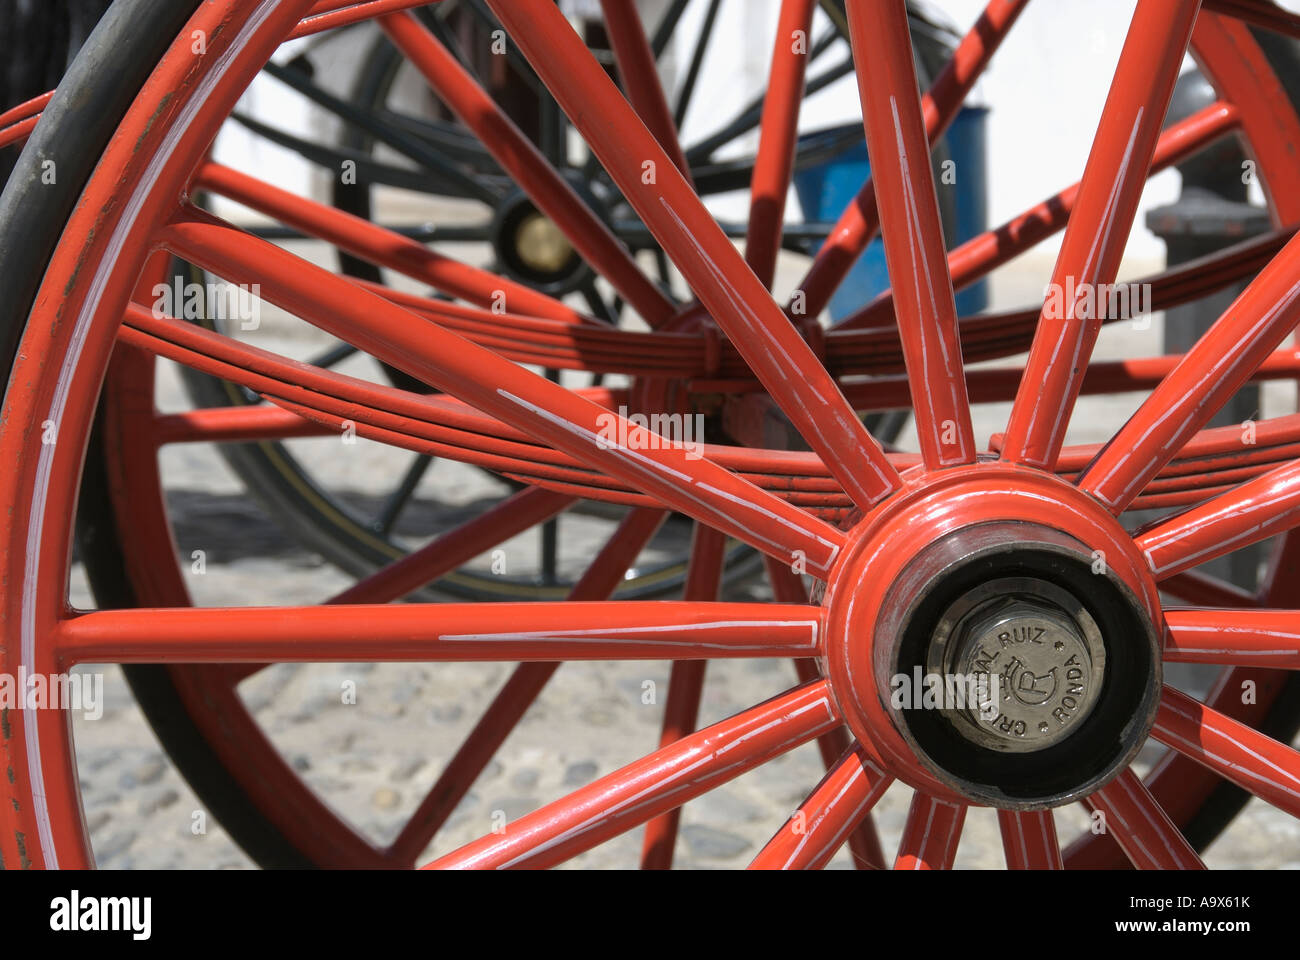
(374, 760)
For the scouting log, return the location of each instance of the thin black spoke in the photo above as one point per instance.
(516, 59)
(834, 10)
(399, 498)
(664, 32)
(752, 115)
(597, 303)
(550, 543)
(554, 134)
(400, 141)
(367, 168)
(697, 61)
(334, 355)
(425, 233)
(665, 272)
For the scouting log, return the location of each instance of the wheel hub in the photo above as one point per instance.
(541, 245)
(531, 248)
(991, 639)
(1034, 653)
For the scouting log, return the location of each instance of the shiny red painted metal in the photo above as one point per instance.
(382, 247)
(26, 109)
(18, 132)
(685, 687)
(982, 254)
(1233, 750)
(462, 543)
(551, 413)
(331, 16)
(526, 165)
(640, 75)
(1029, 840)
(518, 693)
(881, 547)
(913, 234)
(36, 749)
(1206, 377)
(737, 300)
(1148, 837)
(864, 841)
(930, 834)
(1096, 236)
(622, 630)
(829, 817)
(1246, 514)
(661, 781)
(778, 138)
(1265, 638)
(859, 223)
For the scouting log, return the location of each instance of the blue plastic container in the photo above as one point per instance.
(826, 189)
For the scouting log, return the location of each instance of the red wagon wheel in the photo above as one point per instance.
(924, 558)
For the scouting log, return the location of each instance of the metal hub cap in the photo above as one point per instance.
(532, 248)
(1048, 667)
(541, 245)
(1033, 655)
(1010, 662)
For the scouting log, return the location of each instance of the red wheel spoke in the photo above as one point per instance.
(523, 687)
(1244, 515)
(1268, 769)
(445, 632)
(1098, 231)
(864, 842)
(662, 469)
(681, 714)
(446, 427)
(1029, 840)
(1192, 586)
(913, 233)
(1264, 13)
(685, 688)
(444, 554)
(1256, 638)
(512, 516)
(517, 155)
(18, 132)
(233, 425)
(930, 835)
(640, 75)
(982, 254)
(499, 720)
(383, 247)
(29, 108)
(858, 224)
(687, 232)
(778, 139)
(995, 384)
(833, 811)
(330, 15)
(1141, 827)
(1220, 363)
(665, 779)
